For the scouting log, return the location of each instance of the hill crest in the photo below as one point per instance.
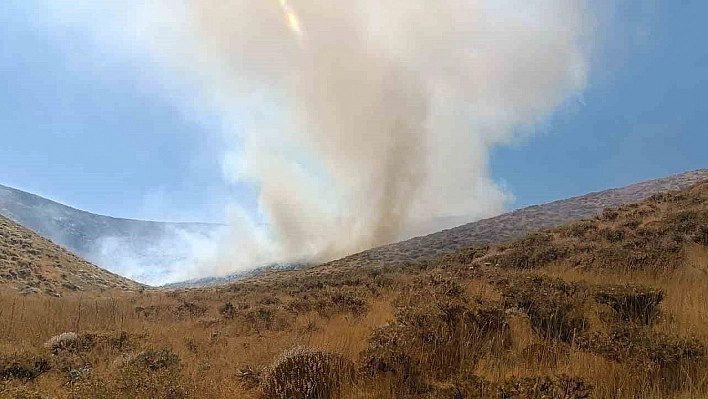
(31, 264)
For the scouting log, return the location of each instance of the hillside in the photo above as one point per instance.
(497, 229)
(150, 251)
(518, 223)
(502, 228)
(609, 307)
(32, 264)
(143, 250)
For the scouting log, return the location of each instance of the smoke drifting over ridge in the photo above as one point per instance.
(360, 121)
(393, 105)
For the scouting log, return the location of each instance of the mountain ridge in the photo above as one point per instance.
(518, 223)
(87, 234)
(140, 249)
(32, 264)
(505, 227)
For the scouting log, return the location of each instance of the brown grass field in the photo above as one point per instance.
(610, 307)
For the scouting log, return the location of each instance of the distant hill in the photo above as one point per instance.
(143, 250)
(515, 225)
(148, 251)
(32, 264)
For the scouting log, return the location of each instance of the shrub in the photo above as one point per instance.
(609, 214)
(578, 229)
(149, 374)
(191, 309)
(670, 361)
(545, 387)
(554, 307)
(632, 303)
(228, 310)
(77, 374)
(68, 341)
(612, 235)
(23, 366)
(541, 387)
(434, 339)
(156, 359)
(348, 301)
(534, 251)
(666, 197)
(306, 373)
(472, 387)
(73, 343)
(249, 377)
(700, 236)
(464, 256)
(388, 353)
(20, 393)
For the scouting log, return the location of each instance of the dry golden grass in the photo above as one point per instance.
(519, 320)
(31, 264)
(212, 350)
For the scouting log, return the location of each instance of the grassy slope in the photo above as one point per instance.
(521, 320)
(32, 264)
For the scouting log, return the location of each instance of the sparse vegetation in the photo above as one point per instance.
(610, 307)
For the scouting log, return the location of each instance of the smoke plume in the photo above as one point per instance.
(387, 109)
(360, 122)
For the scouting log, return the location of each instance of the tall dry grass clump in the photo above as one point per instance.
(306, 373)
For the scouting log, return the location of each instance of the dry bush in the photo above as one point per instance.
(641, 237)
(534, 251)
(468, 387)
(609, 214)
(545, 387)
(329, 302)
(555, 307)
(541, 387)
(700, 236)
(630, 302)
(389, 353)
(228, 310)
(153, 374)
(20, 392)
(71, 342)
(464, 256)
(306, 373)
(190, 309)
(68, 341)
(668, 361)
(434, 339)
(578, 229)
(25, 366)
(666, 198)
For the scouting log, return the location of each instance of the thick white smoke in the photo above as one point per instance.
(362, 121)
(392, 109)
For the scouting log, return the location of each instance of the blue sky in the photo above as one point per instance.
(82, 125)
